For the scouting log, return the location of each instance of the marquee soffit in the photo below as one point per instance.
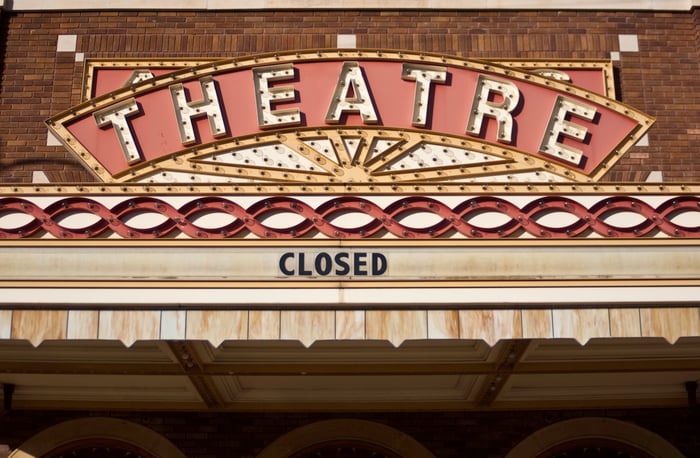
(351, 375)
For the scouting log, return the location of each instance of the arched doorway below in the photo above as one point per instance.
(104, 448)
(594, 437)
(594, 448)
(345, 449)
(97, 436)
(345, 438)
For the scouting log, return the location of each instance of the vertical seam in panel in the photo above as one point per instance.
(639, 315)
(427, 326)
(551, 323)
(522, 324)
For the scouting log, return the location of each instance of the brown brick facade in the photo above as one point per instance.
(660, 79)
(444, 434)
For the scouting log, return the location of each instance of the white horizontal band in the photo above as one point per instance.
(57, 5)
(604, 296)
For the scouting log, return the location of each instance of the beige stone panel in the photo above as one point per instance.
(39, 325)
(581, 324)
(264, 324)
(82, 324)
(307, 326)
(129, 325)
(397, 325)
(349, 324)
(537, 324)
(625, 323)
(5, 324)
(443, 324)
(217, 325)
(670, 323)
(490, 325)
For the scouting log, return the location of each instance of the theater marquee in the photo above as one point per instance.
(349, 178)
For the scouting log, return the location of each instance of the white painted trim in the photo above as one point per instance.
(607, 296)
(43, 5)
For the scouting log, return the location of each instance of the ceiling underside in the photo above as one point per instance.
(350, 375)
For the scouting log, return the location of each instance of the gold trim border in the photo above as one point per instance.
(321, 188)
(339, 243)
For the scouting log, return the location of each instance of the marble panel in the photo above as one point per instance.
(264, 324)
(670, 323)
(625, 323)
(83, 324)
(217, 325)
(537, 324)
(39, 325)
(5, 324)
(129, 325)
(490, 325)
(581, 324)
(349, 324)
(307, 326)
(397, 325)
(443, 324)
(172, 324)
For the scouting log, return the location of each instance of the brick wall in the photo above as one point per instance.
(445, 434)
(661, 79)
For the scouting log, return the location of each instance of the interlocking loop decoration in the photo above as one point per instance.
(383, 221)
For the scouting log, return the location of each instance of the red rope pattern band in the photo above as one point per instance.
(320, 219)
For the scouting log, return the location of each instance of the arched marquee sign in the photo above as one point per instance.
(349, 117)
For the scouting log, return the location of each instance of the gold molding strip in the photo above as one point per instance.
(354, 284)
(417, 188)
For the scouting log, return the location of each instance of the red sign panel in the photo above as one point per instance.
(166, 115)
